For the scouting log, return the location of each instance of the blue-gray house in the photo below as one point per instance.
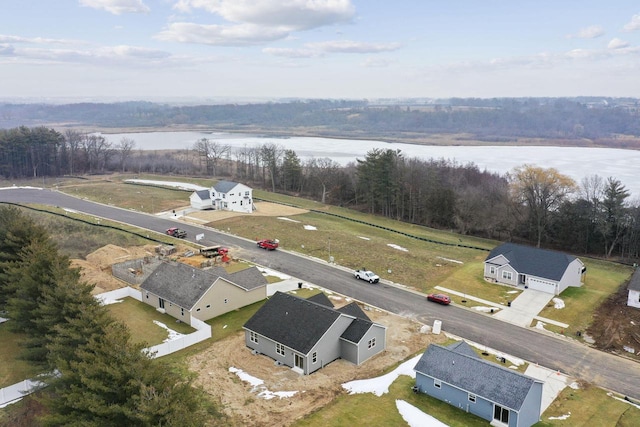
(307, 334)
(458, 376)
(540, 269)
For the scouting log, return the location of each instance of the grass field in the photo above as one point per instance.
(12, 368)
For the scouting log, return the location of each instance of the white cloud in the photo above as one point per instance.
(376, 63)
(291, 53)
(588, 33)
(350, 46)
(6, 49)
(219, 35)
(616, 43)
(109, 55)
(33, 40)
(633, 25)
(292, 14)
(117, 7)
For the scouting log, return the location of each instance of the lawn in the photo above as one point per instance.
(13, 369)
(139, 318)
(602, 279)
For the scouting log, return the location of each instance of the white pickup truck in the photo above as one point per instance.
(367, 275)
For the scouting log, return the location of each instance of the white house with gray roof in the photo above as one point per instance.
(224, 195)
(309, 334)
(186, 292)
(458, 376)
(633, 300)
(534, 268)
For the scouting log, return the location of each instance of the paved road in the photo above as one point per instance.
(603, 369)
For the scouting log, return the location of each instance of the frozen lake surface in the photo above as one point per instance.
(576, 162)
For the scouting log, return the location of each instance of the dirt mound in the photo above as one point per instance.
(615, 325)
(242, 402)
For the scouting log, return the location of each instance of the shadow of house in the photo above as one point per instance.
(183, 291)
(309, 334)
(458, 376)
(534, 268)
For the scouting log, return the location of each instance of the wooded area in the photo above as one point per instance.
(530, 204)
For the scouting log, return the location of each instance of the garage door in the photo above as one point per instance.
(542, 285)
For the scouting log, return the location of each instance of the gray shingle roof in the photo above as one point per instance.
(356, 330)
(179, 283)
(203, 194)
(294, 322)
(353, 309)
(321, 298)
(634, 283)
(224, 186)
(184, 285)
(477, 376)
(461, 347)
(534, 261)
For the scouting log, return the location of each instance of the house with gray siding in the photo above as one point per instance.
(633, 300)
(307, 334)
(184, 291)
(534, 268)
(458, 376)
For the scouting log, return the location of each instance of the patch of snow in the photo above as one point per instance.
(2, 320)
(172, 184)
(224, 327)
(415, 417)
(364, 238)
(173, 335)
(335, 297)
(558, 303)
(450, 260)
(629, 349)
(574, 385)
(400, 248)
(561, 417)
(513, 292)
(26, 187)
(498, 354)
(486, 309)
(287, 219)
(380, 385)
(269, 272)
(540, 325)
(70, 210)
(258, 385)
(310, 227)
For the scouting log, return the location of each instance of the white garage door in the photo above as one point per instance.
(542, 285)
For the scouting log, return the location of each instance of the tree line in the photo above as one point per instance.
(497, 119)
(530, 205)
(94, 374)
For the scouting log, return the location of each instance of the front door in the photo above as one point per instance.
(160, 303)
(299, 361)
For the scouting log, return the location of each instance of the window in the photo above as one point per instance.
(279, 349)
(208, 305)
(314, 357)
(246, 193)
(437, 383)
(507, 275)
(182, 312)
(224, 196)
(492, 270)
(226, 300)
(472, 398)
(253, 337)
(501, 414)
(198, 309)
(372, 342)
(160, 303)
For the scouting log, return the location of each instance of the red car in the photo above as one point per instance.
(268, 244)
(439, 298)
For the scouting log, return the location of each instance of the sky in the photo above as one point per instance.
(346, 49)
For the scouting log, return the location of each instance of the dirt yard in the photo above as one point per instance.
(262, 209)
(616, 326)
(243, 404)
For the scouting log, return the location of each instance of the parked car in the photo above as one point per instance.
(176, 232)
(439, 298)
(366, 275)
(268, 244)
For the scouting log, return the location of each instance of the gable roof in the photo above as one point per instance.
(356, 330)
(634, 283)
(224, 186)
(462, 347)
(294, 322)
(534, 261)
(321, 298)
(184, 285)
(353, 309)
(179, 283)
(475, 375)
(203, 194)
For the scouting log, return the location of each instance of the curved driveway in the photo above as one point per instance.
(563, 354)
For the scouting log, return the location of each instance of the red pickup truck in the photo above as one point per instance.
(268, 244)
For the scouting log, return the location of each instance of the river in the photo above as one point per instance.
(576, 162)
